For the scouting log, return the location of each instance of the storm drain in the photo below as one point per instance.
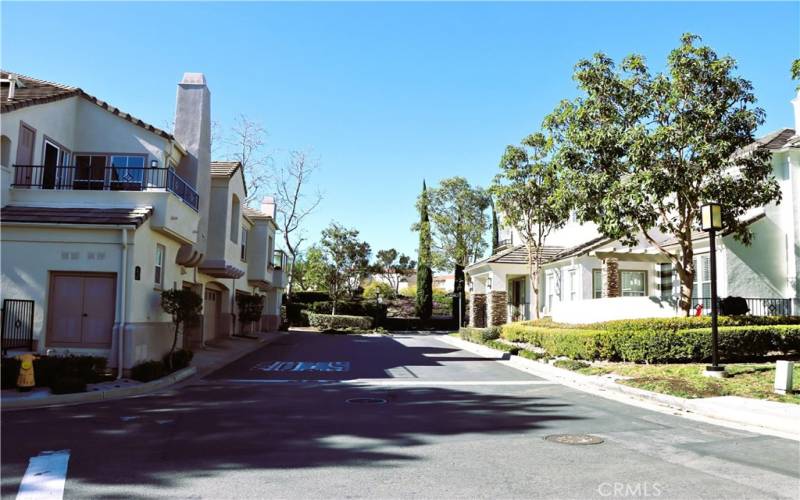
(366, 401)
(574, 439)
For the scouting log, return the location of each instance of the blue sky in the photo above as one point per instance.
(385, 94)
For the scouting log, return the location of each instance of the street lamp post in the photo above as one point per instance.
(712, 222)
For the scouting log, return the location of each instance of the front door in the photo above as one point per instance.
(212, 312)
(81, 309)
(23, 175)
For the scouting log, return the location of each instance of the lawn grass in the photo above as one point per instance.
(750, 380)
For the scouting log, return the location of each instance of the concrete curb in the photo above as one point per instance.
(781, 425)
(94, 396)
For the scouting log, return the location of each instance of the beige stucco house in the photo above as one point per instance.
(586, 277)
(102, 211)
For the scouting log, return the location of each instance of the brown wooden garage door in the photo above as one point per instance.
(81, 309)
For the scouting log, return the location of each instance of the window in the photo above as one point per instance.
(597, 284)
(159, 270)
(235, 216)
(633, 283)
(573, 285)
(5, 151)
(243, 256)
(550, 285)
(702, 277)
(665, 281)
(127, 171)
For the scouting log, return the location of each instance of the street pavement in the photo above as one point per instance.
(446, 424)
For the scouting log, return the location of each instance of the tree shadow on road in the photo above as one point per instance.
(208, 430)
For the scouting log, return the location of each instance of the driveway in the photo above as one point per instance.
(324, 416)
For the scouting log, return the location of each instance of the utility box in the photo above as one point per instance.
(783, 377)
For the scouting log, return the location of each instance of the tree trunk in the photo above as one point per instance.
(290, 276)
(533, 271)
(172, 349)
(686, 274)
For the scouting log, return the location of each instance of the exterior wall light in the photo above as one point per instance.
(711, 216)
(153, 163)
(488, 284)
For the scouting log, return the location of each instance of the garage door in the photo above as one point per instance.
(212, 312)
(81, 309)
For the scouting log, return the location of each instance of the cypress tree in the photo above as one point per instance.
(424, 273)
(495, 228)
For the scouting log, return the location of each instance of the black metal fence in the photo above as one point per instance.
(97, 178)
(17, 324)
(757, 306)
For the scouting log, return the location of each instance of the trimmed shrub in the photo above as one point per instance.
(68, 385)
(733, 306)
(148, 370)
(480, 335)
(308, 297)
(180, 359)
(406, 324)
(502, 346)
(339, 322)
(570, 364)
(9, 370)
(350, 308)
(372, 289)
(49, 369)
(524, 353)
(295, 314)
(655, 342)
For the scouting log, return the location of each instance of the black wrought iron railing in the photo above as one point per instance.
(757, 306)
(95, 178)
(16, 327)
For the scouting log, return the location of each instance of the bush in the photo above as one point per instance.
(409, 291)
(502, 346)
(407, 324)
(570, 364)
(654, 341)
(68, 385)
(180, 359)
(339, 322)
(9, 370)
(295, 314)
(480, 335)
(372, 289)
(308, 297)
(531, 354)
(733, 306)
(148, 370)
(47, 370)
(352, 308)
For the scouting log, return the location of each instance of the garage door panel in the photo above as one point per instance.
(66, 310)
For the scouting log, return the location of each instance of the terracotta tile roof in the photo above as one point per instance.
(699, 235)
(778, 139)
(582, 248)
(224, 168)
(36, 91)
(254, 214)
(60, 215)
(517, 255)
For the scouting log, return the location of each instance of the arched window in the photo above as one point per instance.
(5, 151)
(235, 216)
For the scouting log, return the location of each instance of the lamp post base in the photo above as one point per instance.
(715, 371)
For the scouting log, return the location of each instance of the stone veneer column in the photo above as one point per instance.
(477, 310)
(499, 313)
(610, 273)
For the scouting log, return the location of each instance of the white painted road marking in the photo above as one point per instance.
(304, 366)
(45, 476)
(392, 382)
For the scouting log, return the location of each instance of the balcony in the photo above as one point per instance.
(279, 265)
(95, 178)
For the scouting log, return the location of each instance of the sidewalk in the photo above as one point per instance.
(756, 415)
(206, 360)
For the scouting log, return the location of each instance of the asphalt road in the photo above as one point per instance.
(278, 424)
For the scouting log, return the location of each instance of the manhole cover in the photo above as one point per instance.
(366, 401)
(574, 439)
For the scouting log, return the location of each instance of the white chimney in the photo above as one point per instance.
(12, 86)
(193, 133)
(796, 103)
(268, 206)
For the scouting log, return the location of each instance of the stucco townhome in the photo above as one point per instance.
(102, 211)
(586, 277)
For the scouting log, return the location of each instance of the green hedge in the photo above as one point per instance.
(350, 308)
(655, 341)
(665, 324)
(480, 335)
(339, 322)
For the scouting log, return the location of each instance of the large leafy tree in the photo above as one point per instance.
(311, 270)
(532, 193)
(424, 272)
(458, 222)
(393, 266)
(348, 260)
(648, 150)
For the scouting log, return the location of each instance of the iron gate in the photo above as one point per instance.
(17, 324)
